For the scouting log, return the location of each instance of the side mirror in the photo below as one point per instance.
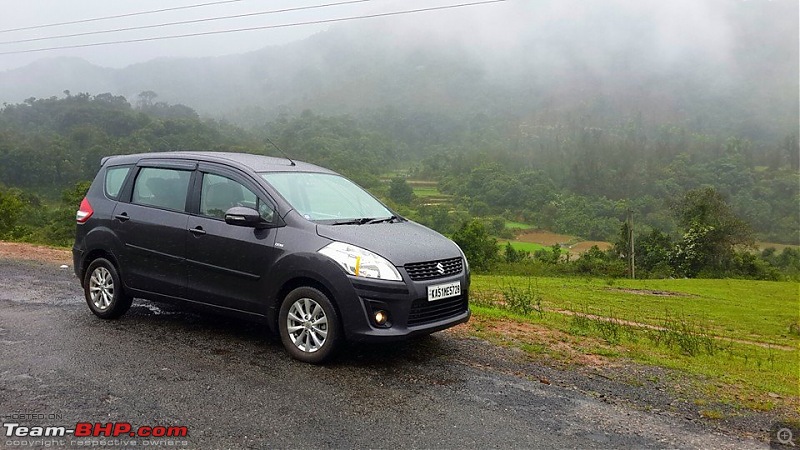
(245, 217)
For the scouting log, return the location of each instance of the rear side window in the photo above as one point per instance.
(115, 177)
(163, 188)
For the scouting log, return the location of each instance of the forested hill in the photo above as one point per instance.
(565, 118)
(597, 64)
(567, 178)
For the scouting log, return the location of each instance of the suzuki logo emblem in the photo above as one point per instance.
(440, 268)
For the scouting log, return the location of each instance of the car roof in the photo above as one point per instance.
(256, 163)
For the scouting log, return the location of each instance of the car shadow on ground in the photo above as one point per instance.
(238, 332)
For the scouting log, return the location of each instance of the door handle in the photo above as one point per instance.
(197, 231)
(122, 217)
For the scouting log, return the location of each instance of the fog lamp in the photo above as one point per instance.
(381, 317)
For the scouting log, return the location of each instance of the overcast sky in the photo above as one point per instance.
(676, 27)
(42, 12)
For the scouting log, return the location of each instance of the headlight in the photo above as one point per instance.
(359, 262)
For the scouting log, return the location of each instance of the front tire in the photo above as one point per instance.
(309, 325)
(103, 290)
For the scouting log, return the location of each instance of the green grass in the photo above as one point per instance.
(427, 191)
(761, 311)
(757, 313)
(529, 247)
(518, 225)
(734, 372)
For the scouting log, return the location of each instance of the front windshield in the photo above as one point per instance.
(325, 197)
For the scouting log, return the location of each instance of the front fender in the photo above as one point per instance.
(307, 268)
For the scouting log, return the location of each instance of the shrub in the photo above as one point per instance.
(512, 255)
(522, 300)
(400, 191)
(12, 206)
(479, 248)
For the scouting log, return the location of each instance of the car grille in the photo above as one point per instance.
(423, 311)
(431, 269)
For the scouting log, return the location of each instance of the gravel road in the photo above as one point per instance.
(232, 385)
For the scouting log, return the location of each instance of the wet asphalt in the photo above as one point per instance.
(230, 383)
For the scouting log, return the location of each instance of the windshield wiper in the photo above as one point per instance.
(360, 221)
(366, 220)
(384, 219)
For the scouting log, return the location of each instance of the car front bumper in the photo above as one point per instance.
(410, 313)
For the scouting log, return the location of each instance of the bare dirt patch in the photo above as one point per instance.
(31, 252)
(512, 333)
(543, 237)
(582, 247)
(421, 183)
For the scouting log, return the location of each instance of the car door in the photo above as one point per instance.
(152, 227)
(227, 264)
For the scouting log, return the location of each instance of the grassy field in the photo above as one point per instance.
(426, 191)
(529, 247)
(740, 309)
(741, 337)
(517, 225)
(778, 247)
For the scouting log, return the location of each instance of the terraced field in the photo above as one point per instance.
(428, 193)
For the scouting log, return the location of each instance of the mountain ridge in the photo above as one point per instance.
(550, 72)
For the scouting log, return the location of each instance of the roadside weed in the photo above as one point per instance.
(522, 300)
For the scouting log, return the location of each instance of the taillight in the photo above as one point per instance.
(84, 212)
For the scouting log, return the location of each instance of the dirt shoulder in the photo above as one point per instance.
(32, 252)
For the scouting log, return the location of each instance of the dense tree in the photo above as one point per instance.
(50, 144)
(598, 263)
(556, 172)
(338, 143)
(400, 191)
(512, 255)
(479, 248)
(711, 233)
(12, 206)
(652, 253)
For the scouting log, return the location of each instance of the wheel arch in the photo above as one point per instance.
(301, 269)
(96, 254)
(101, 242)
(292, 284)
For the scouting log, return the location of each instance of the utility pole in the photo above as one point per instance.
(631, 252)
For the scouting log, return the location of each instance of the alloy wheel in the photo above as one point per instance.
(307, 325)
(101, 288)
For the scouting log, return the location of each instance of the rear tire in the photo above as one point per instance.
(309, 326)
(103, 290)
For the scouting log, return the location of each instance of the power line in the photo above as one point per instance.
(140, 13)
(184, 22)
(266, 27)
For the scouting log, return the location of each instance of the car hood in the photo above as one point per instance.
(400, 242)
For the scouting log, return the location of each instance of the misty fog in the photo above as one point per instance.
(636, 57)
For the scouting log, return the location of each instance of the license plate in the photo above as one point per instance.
(440, 291)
